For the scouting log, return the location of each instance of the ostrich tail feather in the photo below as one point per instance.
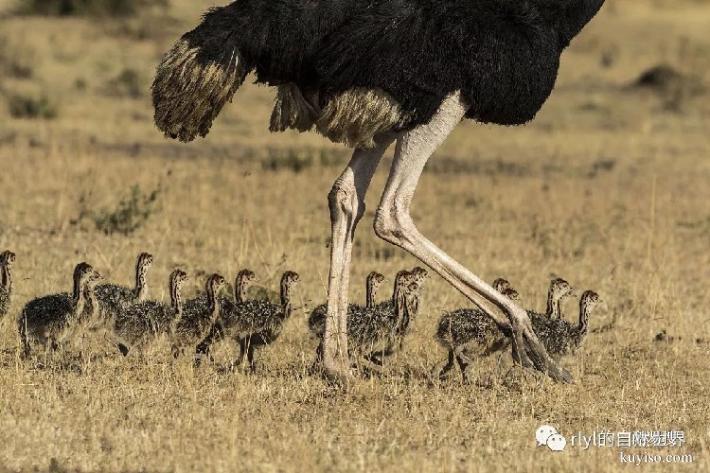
(191, 88)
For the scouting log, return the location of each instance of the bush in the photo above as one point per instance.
(298, 160)
(15, 59)
(29, 106)
(84, 7)
(131, 212)
(127, 83)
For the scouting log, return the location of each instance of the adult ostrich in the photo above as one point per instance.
(367, 73)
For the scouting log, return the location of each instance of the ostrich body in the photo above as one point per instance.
(561, 337)
(144, 321)
(401, 318)
(49, 320)
(197, 319)
(368, 74)
(380, 333)
(7, 261)
(114, 299)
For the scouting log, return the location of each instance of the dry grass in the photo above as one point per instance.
(608, 188)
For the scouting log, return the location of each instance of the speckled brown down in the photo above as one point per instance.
(376, 330)
(561, 337)
(316, 321)
(253, 324)
(465, 332)
(51, 320)
(114, 299)
(7, 261)
(197, 318)
(242, 281)
(143, 322)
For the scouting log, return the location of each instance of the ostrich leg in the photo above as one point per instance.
(394, 224)
(347, 205)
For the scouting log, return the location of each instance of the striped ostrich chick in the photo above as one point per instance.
(196, 319)
(114, 299)
(381, 333)
(242, 281)
(374, 331)
(256, 323)
(402, 318)
(561, 337)
(558, 291)
(273, 318)
(7, 260)
(416, 277)
(359, 316)
(465, 331)
(49, 320)
(144, 321)
(316, 321)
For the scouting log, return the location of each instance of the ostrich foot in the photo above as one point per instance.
(336, 370)
(530, 353)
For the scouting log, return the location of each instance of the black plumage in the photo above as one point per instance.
(503, 55)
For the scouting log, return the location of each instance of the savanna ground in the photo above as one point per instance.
(607, 188)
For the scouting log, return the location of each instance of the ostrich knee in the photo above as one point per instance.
(394, 224)
(345, 205)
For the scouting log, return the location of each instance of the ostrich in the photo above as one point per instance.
(254, 323)
(197, 320)
(375, 333)
(559, 290)
(261, 322)
(242, 281)
(463, 330)
(319, 315)
(7, 260)
(417, 276)
(114, 299)
(368, 74)
(49, 320)
(316, 321)
(559, 336)
(402, 319)
(144, 321)
(374, 329)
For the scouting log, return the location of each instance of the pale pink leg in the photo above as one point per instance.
(347, 205)
(394, 224)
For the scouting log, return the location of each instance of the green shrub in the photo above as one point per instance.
(16, 60)
(291, 159)
(30, 106)
(85, 7)
(130, 214)
(127, 83)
